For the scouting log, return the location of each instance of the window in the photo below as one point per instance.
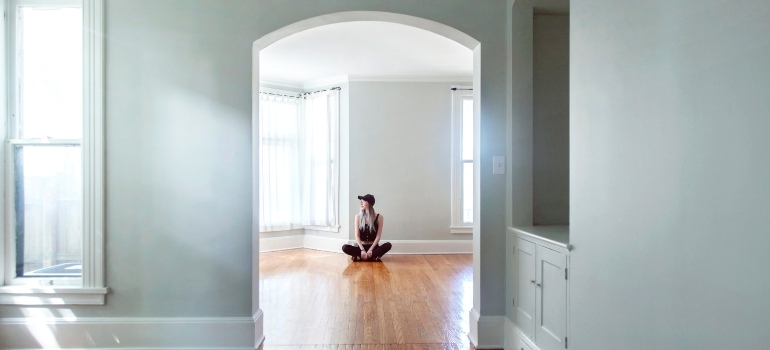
(299, 166)
(462, 160)
(279, 162)
(54, 196)
(320, 191)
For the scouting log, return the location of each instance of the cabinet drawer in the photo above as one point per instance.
(522, 345)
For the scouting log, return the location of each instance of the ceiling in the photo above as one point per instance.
(364, 49)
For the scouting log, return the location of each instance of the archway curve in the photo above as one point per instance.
(378, 16)
(341, 17)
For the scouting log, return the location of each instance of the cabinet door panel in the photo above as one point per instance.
(551, 299)
(526, 290)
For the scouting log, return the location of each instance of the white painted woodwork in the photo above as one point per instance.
(91, 288)
(555, 237)
(525, 309)
(130, 333)
(538, 280)
(551, 302)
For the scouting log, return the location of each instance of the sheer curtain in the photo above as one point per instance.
(299, 161)
(320, 172)
(279, 165)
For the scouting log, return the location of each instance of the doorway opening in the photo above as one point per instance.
(369, 139)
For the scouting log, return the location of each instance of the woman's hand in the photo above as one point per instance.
(365, 255)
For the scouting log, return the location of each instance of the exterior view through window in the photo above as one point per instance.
(46, 135)
(467, 158)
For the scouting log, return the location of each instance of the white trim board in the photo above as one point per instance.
(412, 78)
(272, 244)
(129, 332)
(341, 79)
(335, 245)
(486, 331)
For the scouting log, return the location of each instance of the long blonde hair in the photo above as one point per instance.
(367, 217)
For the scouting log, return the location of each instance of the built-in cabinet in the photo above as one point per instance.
(539, 276)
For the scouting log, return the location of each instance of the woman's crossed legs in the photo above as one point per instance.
(377, 252)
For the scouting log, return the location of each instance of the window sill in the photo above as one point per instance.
(323, 228)
(24, 295)
(466, 230)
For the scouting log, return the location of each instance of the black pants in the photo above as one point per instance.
(377, 252)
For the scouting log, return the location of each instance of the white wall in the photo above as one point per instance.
(400, 153)
(550, 180)
(669, 174)
(521, 102)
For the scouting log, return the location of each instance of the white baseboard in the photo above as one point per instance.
(326, 244)
(486, 331)
(510, 340)
(431, 247)
(473, 336)
(280, 243)
(335, 244)
(129, 332)
(259, 334)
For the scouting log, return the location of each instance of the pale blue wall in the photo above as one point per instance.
(670, 174)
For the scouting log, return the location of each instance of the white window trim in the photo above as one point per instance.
(91, 288)
(457, 226)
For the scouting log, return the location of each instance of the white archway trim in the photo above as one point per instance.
(480, 330)
(351, 16)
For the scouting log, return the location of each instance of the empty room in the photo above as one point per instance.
(401, 174)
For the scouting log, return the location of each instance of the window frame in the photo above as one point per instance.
(457, 226)
(90, 288)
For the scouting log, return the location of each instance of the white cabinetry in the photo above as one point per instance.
(526, 307)
(551, 314)
(539, 278)
(521, 345)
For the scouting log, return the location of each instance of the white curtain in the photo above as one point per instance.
(279, 166)
(299, 161)
(320, 173)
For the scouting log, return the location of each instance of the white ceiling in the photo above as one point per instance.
(364, 49)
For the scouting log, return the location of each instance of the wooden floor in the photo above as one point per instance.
(320, 300)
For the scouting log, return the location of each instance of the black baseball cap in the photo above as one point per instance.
(367, 197)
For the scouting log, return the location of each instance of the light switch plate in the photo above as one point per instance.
(498, 165)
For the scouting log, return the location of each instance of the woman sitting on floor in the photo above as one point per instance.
(368, 233)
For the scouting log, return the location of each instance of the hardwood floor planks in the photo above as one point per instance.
(314, 300)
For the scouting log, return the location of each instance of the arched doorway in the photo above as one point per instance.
(340, 17)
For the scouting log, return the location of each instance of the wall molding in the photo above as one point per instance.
(259, 335)
(129, 332)
(412, 78)
(331, 244)
(341, 79)
(431, 246)
(316, 83)
(271, 244)
(281, 83)
(486, 331)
